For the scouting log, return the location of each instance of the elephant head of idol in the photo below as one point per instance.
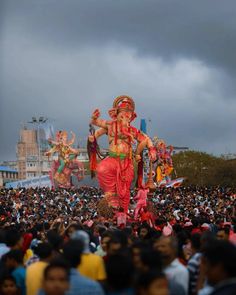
(123, 109)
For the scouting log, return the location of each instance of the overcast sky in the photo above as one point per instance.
(63, 58)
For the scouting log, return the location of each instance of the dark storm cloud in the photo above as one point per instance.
(202, 29)
(62, 59)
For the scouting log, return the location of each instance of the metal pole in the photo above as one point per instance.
(39, 154)
(37, 123)
(26, 161)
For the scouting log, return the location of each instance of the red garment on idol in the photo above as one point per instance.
(115, 177)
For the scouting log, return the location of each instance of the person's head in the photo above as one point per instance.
(119, 269)
(84, 238)
(2, 236)
(14, 239)
(137, 248)
(56, 278)
(152, 283)
(34, 244)
(13, 259)
(105, 239)
(144, 231)
(223, 233)
(54, 239)
(72, 252)
(44, 251)
(8, 285)
(207, 238)
(72, 228)
(219, 261)
(150, 259)
(168, 248)
(155, 239)
(117, 243)
(195, 240)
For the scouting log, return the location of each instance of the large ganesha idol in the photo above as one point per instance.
(67, 164)
(116, 172)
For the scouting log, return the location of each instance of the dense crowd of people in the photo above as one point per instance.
(57, 242)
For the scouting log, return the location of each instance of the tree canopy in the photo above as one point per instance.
(203, 169)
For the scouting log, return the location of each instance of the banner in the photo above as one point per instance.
(43, 181)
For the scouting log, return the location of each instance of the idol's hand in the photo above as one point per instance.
(137, 158)
(91, 138)
(152, 154)
(96, 114)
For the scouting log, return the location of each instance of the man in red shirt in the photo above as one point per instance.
(146, 216)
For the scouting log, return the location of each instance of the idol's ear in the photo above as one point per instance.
(134, 115)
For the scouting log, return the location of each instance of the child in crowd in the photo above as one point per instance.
(8, 286)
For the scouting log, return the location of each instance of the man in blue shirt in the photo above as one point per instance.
(79, 284)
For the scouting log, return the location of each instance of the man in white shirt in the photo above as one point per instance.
(173, 269)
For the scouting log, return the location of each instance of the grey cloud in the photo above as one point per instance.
(202, 29)
(62, 59)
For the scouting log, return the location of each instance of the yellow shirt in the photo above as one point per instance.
(34, 277)
(92, 266)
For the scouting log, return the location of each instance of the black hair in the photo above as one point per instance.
(139, 244)
(224, 253)
(54, 239)
(2, 236)
(119, 269)
(44, 250)
(196, 241)
(17, 255)
(207, 238)
(151, 259)
(148, 228)
(145, 279)
(72, 251)
(101, 230)
(105, 234)
(12, 237)
(120, 237)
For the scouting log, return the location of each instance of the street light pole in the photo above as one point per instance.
(38, 123)
(39, 155)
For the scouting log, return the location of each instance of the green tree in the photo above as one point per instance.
(203, 169)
